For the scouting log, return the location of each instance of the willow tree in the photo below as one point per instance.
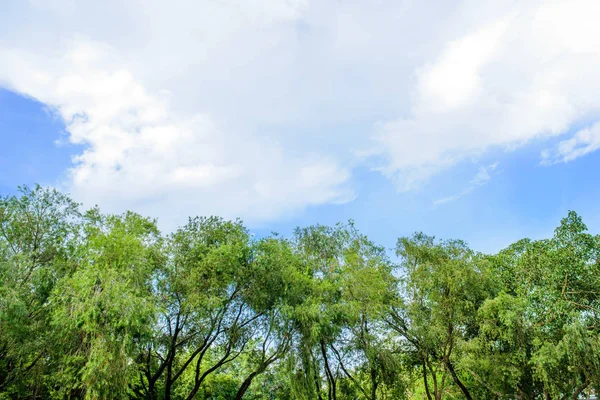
(221, 301)
(442, 286)
(106, 307)
(540, 336)
(275, 289)
(38, 231)
(341, 350)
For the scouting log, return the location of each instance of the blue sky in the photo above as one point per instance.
(478, 120)
(32, 150)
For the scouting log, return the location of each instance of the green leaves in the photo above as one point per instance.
(100, 306)
(106, 305)
(38, 230)
(539, 335)
(442, 286)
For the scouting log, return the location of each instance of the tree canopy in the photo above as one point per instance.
(100, 306)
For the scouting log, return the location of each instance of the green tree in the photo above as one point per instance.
(38, 229)
(275, 292)
(99, 306)
(539, 336)
(105, 308)
(342, 351)
(441, 288)
(221, 301)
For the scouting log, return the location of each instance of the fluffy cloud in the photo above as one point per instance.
(528, 70)
(242, 108)
(139, 150)
(143, 152)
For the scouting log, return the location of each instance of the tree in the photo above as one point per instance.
(364, 351)
(99, 306)
(539, 336)
(38, 229)
(341, 339)
(105, 308)
(275, 292)
(222, 299)
(441, 288)
(202, 308)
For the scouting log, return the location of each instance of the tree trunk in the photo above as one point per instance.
(374, 384)
(316, 376)
(245, 385)
(581, 388)
(425, 382)
(330, 377)
(457, 381)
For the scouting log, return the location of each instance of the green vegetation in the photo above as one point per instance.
(96, 306)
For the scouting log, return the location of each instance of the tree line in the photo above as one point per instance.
(98, 306)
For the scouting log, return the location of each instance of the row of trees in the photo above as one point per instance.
(102, 306)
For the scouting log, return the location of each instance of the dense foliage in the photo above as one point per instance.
(96, 306)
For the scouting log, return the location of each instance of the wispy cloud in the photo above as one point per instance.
(581, 143)
(481, 178)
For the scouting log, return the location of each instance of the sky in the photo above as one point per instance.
(477, 120)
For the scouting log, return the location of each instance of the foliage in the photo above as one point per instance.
(97, 306)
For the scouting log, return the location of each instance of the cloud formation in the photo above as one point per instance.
(583, 142)
(524, 71)
(141, 152)
(481, 178)
(242, 108)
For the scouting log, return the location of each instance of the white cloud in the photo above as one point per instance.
(454, 80)
(528, 70)
(583, 142)
(185, 107)
(141, 153)
(481, 178)
(244, 107)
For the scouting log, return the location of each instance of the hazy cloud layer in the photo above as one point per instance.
(242, 107)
